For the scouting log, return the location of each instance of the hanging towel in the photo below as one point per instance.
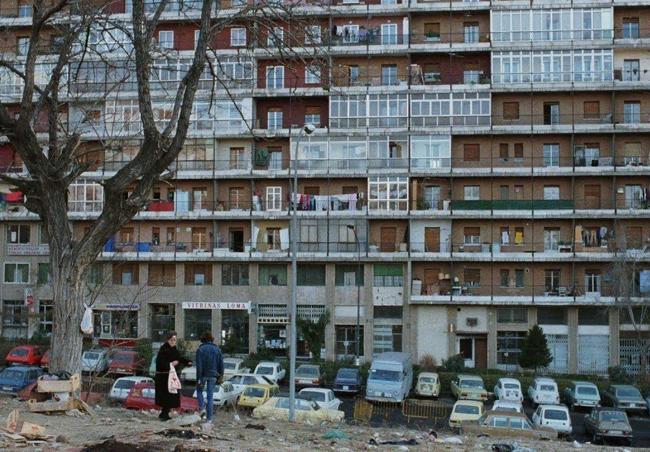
(505, 238)
(519, 238)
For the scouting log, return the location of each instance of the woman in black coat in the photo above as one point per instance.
(168, 354)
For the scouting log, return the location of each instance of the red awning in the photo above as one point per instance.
(14, 196)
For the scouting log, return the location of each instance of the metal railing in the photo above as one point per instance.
(563, 290)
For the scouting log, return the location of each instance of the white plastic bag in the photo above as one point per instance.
(173, 383)
(87, 320)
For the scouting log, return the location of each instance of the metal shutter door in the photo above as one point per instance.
(593, 353)
(558, 344)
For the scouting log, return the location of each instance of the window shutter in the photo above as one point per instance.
(169, 275)
(511, 110)
(472, 152)
(155, 274)
(519, 150)
(592, 109)
(503, 151)
(472, 275)
(388, 270)
(472, 231)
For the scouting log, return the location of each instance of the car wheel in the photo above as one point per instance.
(594, 439)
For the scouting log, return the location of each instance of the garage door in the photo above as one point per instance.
(593, 353)
(558, 344)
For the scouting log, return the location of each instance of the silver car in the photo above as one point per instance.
(625, 397)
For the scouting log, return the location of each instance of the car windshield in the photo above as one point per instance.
(466, 409)
(548, 388)
(613, 416)
(12, 375)
(313, 395)
(309, 371)
(302, 405)
(427, 380)
(265, 370)
(20, 352)
(347, 373)
(628, 392)
(505, 408)
(91, 355)
(229, 366)
(555, 415)
(587, 390)
(385, 375)
(123, 358)
(471, 383)
(254, 392)
(124, 384)
(511, 386)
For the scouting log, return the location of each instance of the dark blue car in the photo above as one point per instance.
(347, 380)
(15, 378)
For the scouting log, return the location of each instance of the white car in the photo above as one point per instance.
(188, 374)
(231, 367)
(272, 370)
(544, 390)
(95, 361)
(508, 389)
(324, 398)
(554, 416)
(224, 394)
(507, 405)
(240, 381)
(306, 411)
(122, 386)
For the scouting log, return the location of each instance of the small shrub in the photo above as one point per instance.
(263, 354)
(455, 363)
(427, 363)
(144, 348)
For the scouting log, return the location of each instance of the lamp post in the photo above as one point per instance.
(357, 326)
(307, 129)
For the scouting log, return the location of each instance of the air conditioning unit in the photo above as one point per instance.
(471, 321)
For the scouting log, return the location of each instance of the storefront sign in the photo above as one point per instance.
(244, 306)
(119, 307)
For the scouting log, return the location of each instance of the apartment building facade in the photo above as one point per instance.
(477, 167)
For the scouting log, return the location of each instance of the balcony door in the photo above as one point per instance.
(432, 197)
(592, 196)
(432, 240)
(388, 236)
(430, 284)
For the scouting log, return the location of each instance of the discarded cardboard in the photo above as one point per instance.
(23, 428)
(52, 406)
(71, 385)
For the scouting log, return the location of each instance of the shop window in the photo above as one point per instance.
(273, 337)
(116, 324)
(234, 331)
(197, 321)
(588, 315)
(14, 319)
(509, 347)
(386, 338)
(551, 316)
(163, 320)
(272, 275)
(346, 340)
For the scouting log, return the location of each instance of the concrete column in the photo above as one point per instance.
(492, 338)
(409, 342)
(216, 326)
(330, 296)
(179, 319)
(572, 321)
(366, 320)
(253, 284)
(614, 338)
(452, 316)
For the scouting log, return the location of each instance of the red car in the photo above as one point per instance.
(29, 355)
(143, 397)
(126, 362)
(45, 360)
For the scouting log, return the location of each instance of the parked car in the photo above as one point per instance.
(625, 397)
(499, 424)
(427, 385)
(308, 375)
(390, 377)
(544, 391)
(325, 398)
(242, 380)
(255, 395)
(126, 362)
(15, 378)
(233, 366)
(347, 379)
(469, 387)
(224, 394)
(95, 361)
(143, 397)
(306, 410)
(122, 386)
(508, 389)
(27, 355)
(465, 410)
(608, 423)
(581, 394)
(272, 370)
(507, 405)
(188, 374)
(45, 359)
(556, 417)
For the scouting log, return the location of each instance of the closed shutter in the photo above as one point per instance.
(169, 275)
(503, 151)
(472, 152)
(155, 275)
(472, 276)
(634, 237)
(592, 109)
(558, 345)
(593, 353)
(511, 110)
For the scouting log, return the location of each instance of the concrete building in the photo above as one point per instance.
(490, 157)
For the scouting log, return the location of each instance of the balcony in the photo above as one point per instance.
(556, 122)
(473, 40)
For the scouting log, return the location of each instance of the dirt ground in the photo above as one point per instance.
(113, 429)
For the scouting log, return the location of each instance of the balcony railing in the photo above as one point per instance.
(560, 291)
(617, 119)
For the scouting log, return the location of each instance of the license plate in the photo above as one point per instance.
(121, 370)
(346, 388)
(615, 432)
(7, 388)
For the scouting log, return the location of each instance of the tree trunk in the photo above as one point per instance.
(68, 299)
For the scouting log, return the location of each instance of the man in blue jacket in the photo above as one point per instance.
(209, 369)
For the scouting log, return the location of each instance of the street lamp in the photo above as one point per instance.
(357, 327)
(307, 129)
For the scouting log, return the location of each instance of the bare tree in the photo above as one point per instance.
(53, 149)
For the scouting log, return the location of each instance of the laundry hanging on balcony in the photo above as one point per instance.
(14, 196)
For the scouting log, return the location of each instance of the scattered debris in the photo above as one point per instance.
(187, 419)
(501, 447)
(25, 429)
(394, 442)
(335, 434)
(181, 433)
(256, 426)
(576, 444)
(113, 445)
(452, 440)
(62, 439)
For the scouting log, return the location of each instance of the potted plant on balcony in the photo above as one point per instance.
(431, 36)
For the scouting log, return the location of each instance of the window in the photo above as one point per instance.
(312, 75)
(274, 119)
(44, 276)
(509, 347)
(166, 39)
(238, 37)
(551, 192)
(85, 196)
(519, 151)
(631, 71)
(593, 280)
(125, 274)
(45, 317)
(551, 239)
(272, 275)
(472, 192)
(388, 275)
(432, 31)
(634, 195)
(471, 152)
(197, 33)
(631, 28)
(503, 151)
(96, 275)
(551, 282)
(551, 316)
(588, 315)
(389, 34)
(471, 76)
(18, 233)
(388, 193)
(472, 236)
(274, 77)
(17, 273)
(519, 278)
(348, 275)
(386, 338)
(551, 155)
(346, 341)
(14, 314)
(273, 239)
(504, 277)
(275, 37)
(312, 116)
(389, 74)
(631, 112)
(234, 274)
(25, 10)
(472, 277)
(312, 34)
(471, 32)
(519, 235)
(311, 275)
(274, 198)
(22, 46)
(197, 321)
(551, 113)
(511, 110)
(512, 315)
(591, 109)
(198, 274)
(162, 275)
(504, 192)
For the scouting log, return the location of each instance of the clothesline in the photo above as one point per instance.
(326, 202)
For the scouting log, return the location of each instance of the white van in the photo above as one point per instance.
(554, 416)
(390, 377)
